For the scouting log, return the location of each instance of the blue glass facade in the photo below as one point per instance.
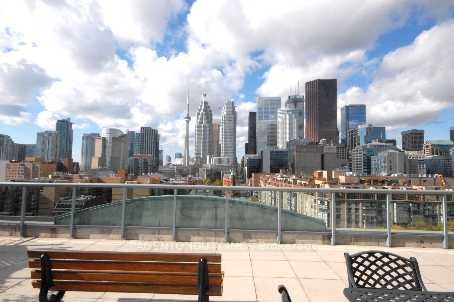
(368, 133)
(351, 117)
(266, 123)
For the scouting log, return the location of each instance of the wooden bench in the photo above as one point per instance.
(160, 273)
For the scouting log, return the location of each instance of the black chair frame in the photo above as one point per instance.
(383, 270)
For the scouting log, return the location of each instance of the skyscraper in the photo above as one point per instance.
(46, 145)
(412, 140)
(451, 134)
(98, 159)
(118, 152)
(132, 142)
(321, 110)
(187, 119)
(64, 131)
(228, 131)
(6, 147)
(216, 139)
(88, 150)
(148, 144)
(203, 131)
(351, 117)
(109, 134)
(369, 133)
(266, 123)
(251, 145)
(290, 121)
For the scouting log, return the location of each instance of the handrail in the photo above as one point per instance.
(228, 188)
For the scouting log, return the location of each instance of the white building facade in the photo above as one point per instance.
(266, 122)
(203, 132)
(109, 134)
(228, 131)
(290, 121)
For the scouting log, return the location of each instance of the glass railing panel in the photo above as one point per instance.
(255, 211)
(303, 211)
(149, 207)
(421, 213)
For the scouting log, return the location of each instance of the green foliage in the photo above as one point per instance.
(424, 226)
(213, 182)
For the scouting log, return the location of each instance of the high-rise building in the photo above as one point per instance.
(228, 131)
(119, 153)
(64, 129)
(362, 156)
(352, 140)
(140, 165)
(351, 117)
(46, 145)
(109, 134)
(369, 133)
(451, 134)
(88, 150)
(203, 132)
(290, 121)
(412, 140)
(6, 147)
(251, 145)
(321, 110)
(30, 150)
(146, 143)
(305, 158)
(98, 159)
(388, 162)
(161, 158)
(266, 123)
(132, 143)
(437, 147)
(216, 138)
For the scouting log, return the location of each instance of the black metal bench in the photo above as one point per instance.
(379, 269)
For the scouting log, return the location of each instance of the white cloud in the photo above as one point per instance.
(139, 21)
(300, 40)
(97, 61)
(413, 83)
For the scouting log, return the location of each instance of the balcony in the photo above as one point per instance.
(267, 235)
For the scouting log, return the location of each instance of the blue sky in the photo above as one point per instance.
(137, 72)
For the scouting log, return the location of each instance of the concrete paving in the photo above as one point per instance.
(252, 272)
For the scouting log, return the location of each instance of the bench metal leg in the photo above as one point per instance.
(285, 297)
(47, 282)
(203, 281)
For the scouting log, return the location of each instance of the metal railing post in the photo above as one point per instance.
(445, 222)
(333, 218)
(226, 217)
(174, 218)
(279, 221)
(123, 214)
(22, 212)
(73, 209)
(388, 220)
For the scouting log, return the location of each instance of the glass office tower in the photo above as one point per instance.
(351, 117)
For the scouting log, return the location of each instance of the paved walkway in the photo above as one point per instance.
(252, 271)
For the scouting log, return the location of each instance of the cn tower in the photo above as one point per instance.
(187, 118)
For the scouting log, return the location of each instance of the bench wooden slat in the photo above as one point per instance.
(127, 288)
(126, 256)
(126, 266)
(156, 278)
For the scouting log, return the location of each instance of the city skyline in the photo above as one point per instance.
(134, 57)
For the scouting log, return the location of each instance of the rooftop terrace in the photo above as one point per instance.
(252, 270)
